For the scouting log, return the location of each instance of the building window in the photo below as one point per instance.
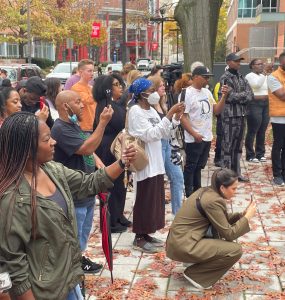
(247, 8)
(12, 50)
(131, 35)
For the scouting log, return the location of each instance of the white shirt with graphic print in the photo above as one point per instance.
(199, 106)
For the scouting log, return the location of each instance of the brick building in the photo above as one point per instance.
(141, 36)
(256, 28)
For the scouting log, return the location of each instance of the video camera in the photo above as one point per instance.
(171, 73)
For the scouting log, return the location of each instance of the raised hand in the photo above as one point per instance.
(106, 115)
(43, 113)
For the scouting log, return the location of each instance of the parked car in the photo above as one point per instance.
(63, 71)
(115, 67)
(144, 64)
(17, 72)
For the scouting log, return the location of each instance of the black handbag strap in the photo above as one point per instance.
(199, 205)
(182, 97)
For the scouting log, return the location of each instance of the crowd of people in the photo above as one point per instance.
(55, 157)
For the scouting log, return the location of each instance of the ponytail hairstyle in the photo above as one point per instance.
(225, 177)
(19, 136)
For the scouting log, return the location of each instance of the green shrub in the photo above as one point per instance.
(42, 62)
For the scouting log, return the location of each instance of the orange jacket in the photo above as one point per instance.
(277, 106)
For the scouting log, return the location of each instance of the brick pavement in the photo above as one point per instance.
(258, 275)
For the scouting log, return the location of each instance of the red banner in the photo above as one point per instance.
(95, 30)
(154, 46)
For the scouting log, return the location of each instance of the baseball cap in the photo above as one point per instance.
(202, 71)
(233, 57)
(35, 85)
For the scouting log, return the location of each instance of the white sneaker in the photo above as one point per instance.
(195, 284)
(262, 159)
(254, 160)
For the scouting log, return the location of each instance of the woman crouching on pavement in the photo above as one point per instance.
(39, 246)
(202, 232)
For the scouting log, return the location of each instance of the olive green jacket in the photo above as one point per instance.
(51, 264)
(189, 227)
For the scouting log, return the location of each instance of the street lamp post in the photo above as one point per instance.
(177, 41)
(161, 20)
(124, 29)
(162, 12)
(29, 32)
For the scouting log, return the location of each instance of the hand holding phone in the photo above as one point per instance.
(42, 102)
(251, 209)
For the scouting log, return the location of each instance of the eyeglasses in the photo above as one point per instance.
(117, 84)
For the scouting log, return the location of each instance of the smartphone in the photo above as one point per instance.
(42, 102)
(251, 198)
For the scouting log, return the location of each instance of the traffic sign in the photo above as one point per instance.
(69, 43)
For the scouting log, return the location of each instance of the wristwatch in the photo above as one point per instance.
(121, 164)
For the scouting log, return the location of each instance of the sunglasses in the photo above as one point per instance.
(117, 84)
(205, 77)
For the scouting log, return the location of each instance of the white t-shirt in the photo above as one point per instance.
(147, 125)
(199, 106)
(258, 83)
(274, 84)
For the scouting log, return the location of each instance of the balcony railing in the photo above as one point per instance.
(262, 9)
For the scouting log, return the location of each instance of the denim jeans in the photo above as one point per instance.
(278, 150)
(196, 159)
(84, 218)
(219, 134)
(175, 176)
(257, 122)
(75, 294)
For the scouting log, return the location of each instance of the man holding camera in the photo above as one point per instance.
(233, 116)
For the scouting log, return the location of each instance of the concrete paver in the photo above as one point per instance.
(258, 275)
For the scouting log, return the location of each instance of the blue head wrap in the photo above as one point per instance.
(139, 85)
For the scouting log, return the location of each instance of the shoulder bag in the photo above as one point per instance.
(123, 139)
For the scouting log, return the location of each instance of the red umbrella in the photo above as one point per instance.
(105, 230)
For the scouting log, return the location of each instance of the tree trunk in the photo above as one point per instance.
(21, 49)
(198, 21)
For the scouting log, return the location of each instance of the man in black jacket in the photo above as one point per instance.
(233, 116)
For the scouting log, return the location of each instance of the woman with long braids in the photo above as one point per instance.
(39, 248)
